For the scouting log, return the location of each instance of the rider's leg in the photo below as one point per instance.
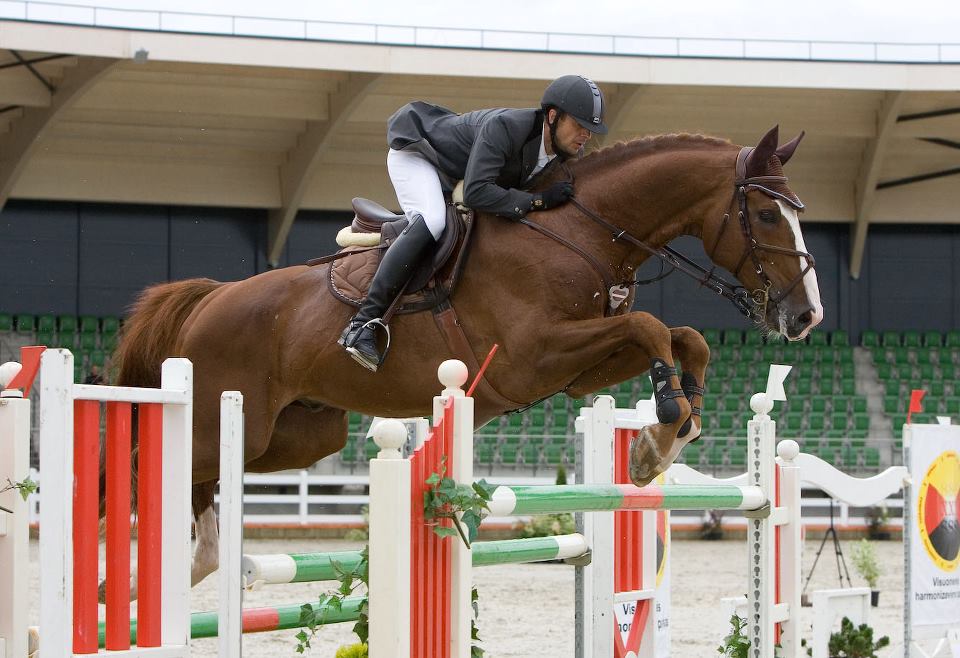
(421, 197)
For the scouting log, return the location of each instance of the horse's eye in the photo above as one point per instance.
(767, 215)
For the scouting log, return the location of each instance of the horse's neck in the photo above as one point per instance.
(659, 197)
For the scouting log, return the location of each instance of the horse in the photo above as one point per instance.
(537, 288)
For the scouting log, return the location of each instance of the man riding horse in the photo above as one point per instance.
(496, 152)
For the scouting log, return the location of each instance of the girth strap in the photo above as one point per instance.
(449, 325)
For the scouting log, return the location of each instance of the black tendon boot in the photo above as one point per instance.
(688, 383)
(398, 264)
(668, 411)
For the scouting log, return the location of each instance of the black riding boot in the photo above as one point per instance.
(398, 264)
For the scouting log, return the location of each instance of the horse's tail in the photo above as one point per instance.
(150, 332)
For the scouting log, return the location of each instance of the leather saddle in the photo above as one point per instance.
(352, 268)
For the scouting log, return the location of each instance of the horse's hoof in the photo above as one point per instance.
(689, 432)
(644, 458)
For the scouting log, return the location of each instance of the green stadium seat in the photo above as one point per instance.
(844, 355)
(804, 386)
(952, 405)
(948, 372)
(737, 457)
(952, 339)
(530, 453)
(483, 454)
(109, 325)
(859, 404)
(892, 387)
(711, 403)
(46, 323)
(25, 323)
(945, 357)
(88, 342)
(902, 355)
(818, 404)
(847, 370)
(725, 421)
(932, 339)
(838, 421)
(753, 338)
(861, 421)
(892, 404)
(67, 324)
(818, 337)
(885, 371)
(839, 338)
(554, 455)
(793, 421)
(712, 336)
(848, 387)
(890, 339)
(732, 337)
(926, 371)
(714, 453)
(871, 457)
(815, 424)
(77, 371)
(857, 436)
(911, 339)
(45, 338)
(691, 454)
(89, 324)
(508, 454)
(6, 322)
(869, 339)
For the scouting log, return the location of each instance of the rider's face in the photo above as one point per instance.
(570, 135)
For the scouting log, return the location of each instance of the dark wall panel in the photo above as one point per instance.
(38, 258)
(122, 249)
(212, 242)
(314, 234)
(909, 278)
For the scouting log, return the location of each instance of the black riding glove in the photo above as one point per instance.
(555, 195)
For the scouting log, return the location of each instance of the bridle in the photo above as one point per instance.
(747, 302)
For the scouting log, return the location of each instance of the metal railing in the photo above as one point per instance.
(484, 39)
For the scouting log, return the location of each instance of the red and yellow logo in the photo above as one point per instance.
(937, 502)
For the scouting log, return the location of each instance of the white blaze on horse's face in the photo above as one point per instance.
(810, 278)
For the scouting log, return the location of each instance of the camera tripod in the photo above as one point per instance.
(831, 533)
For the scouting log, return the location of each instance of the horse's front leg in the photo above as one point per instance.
(622, 347)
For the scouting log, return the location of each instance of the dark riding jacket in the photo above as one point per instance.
(492, 151)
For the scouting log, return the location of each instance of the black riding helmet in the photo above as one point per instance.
(580, 98)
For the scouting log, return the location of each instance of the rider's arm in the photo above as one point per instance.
(490, 151)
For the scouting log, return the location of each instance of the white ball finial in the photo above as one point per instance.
(453, 375)
(788, 449)
(8, 371)
(389, 435)
(761, 403)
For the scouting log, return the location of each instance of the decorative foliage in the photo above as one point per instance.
(856, 642)
(736, 644)
(462, 505)
(865, 562)
(350, 580)
(25, 487)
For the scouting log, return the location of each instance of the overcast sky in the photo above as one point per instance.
(917, 21)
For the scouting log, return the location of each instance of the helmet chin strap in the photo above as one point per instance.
(560, 153)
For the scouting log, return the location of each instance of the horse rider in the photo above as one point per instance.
(496, 152)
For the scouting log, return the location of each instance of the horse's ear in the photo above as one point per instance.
(756, 164)
(785, 152)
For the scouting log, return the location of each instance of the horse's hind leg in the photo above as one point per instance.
(692, 351)
(206, 554)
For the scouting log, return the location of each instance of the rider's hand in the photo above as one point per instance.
(555, 195)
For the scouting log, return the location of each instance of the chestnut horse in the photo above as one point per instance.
(274, 336)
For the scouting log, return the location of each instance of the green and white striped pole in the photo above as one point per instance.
(263, 620)
(261, 570)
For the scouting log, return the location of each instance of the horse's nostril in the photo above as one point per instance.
(805, 318)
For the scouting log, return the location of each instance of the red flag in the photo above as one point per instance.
(30, 358)
(916, 403)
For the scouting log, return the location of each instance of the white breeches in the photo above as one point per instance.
(418, 188)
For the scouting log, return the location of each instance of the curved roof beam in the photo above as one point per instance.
(302, 161)
(26, 134)
(869, 176)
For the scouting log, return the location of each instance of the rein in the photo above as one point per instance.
(748, 303)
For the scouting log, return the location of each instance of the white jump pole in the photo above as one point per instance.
(230, 626)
